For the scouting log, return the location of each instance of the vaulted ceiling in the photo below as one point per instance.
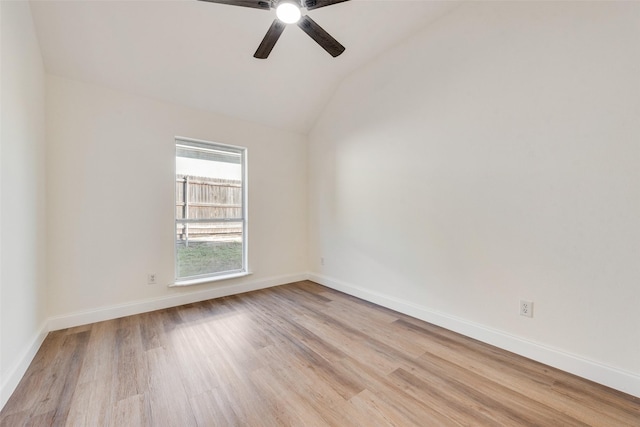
(200, 54)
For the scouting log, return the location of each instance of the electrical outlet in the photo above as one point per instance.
(151, 279)
(526, 308)
(322, 261)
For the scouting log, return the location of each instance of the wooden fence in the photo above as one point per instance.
(207, 198)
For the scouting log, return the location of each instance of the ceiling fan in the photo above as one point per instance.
(290, 12)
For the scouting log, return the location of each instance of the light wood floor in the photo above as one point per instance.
(302, 355)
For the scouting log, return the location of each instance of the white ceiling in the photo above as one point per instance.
(200, 54)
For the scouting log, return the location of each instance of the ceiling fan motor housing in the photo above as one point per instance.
(298, 3)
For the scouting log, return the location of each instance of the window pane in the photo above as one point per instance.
(208, 248)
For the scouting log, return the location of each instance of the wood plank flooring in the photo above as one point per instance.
(300, 355)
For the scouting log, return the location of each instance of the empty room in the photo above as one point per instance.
(319, 213)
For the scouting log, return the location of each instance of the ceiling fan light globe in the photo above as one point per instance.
(288, 12)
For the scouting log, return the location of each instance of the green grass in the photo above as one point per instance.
(208, 257)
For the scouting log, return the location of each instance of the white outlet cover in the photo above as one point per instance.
(526, 308)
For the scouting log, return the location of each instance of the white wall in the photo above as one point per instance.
(22, 196)
(111, 200)
(494, 157)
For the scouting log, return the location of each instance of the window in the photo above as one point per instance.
(211, 221)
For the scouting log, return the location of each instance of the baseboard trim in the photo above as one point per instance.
(142, 306)
(602, 374)
(16, 373)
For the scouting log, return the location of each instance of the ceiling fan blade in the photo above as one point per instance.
(315, 4)
(270, 39)
(321, 37)
(256, 4)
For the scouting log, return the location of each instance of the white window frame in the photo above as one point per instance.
(211, 277)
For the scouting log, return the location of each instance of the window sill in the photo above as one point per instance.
(211, 279)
